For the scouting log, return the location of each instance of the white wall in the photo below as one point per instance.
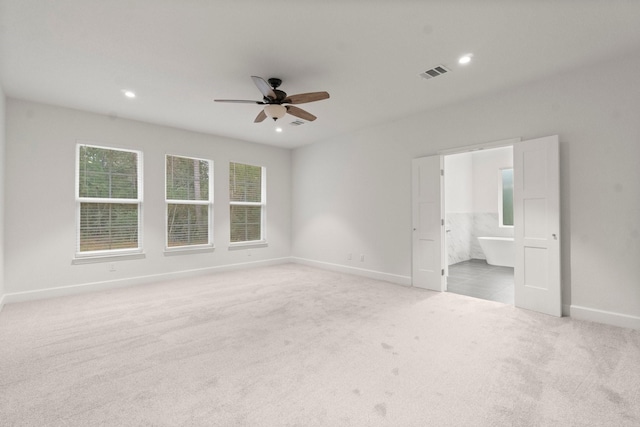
(2, 181)
(40, 204)
(352, 193)
(472, 179)
(486, 177)
(458, 182)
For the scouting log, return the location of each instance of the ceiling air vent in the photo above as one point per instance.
(297, 123)
(435, 72)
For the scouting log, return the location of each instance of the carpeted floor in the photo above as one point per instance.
(295, 346)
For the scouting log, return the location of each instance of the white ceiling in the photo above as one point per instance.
(178, 55)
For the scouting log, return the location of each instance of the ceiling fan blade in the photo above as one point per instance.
(239, 101)
(260, 117)
(299, 112)
(264, 87)
(301, 98)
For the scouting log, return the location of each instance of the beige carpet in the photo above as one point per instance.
(295, 346)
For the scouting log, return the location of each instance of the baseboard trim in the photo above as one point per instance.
(574, 311)
(606, 317)
(371, 274)
(132, 281)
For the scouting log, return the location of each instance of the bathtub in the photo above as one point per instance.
(498, 250)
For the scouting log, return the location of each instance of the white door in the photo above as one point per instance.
(428, 224)
(537, 225)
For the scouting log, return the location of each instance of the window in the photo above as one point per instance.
(505, 198)
(108, 201)
(189, 199)
(247, 200)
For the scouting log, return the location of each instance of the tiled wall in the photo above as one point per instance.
(459, 228)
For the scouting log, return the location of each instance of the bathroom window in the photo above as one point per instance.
(505, 198)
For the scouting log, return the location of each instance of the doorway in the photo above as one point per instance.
(479, 231)
(536, 217)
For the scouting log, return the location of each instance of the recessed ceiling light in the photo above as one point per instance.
(465, 59)
(128, 93)
(278, 129)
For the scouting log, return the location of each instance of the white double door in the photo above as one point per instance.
(536, 224)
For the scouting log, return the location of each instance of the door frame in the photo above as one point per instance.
(509, 142)
(466, 149)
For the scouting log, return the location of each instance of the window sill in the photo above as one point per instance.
(248, 245)
(188, 250)
(106, 258)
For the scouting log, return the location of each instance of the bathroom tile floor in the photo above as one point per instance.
(476, 278)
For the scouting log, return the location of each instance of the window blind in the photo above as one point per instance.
(189, 198)
(108, 197)
(246, 197)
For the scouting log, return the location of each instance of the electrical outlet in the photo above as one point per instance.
(248, 252)
(361, 257)
(111, 267)
(349, 256)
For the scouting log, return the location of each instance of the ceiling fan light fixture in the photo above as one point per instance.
(275, 111)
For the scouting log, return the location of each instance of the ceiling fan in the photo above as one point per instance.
(273, 99)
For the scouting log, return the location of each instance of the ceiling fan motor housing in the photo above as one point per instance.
(280, 95)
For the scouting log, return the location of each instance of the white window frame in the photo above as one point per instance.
(209, 203)
(108, 253)
(263, 211)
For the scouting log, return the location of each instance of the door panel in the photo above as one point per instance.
(537, 225)
(534, 218)
(428, 243)
(535, 268)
